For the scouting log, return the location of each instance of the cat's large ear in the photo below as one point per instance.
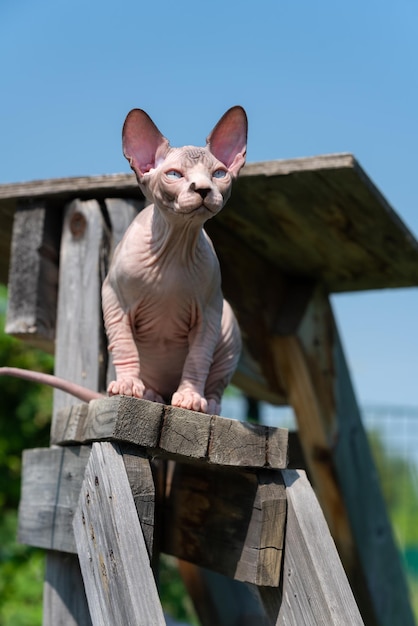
(228, 140)
(143, 144)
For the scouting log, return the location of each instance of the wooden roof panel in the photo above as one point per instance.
(323, 218)
(320, 217)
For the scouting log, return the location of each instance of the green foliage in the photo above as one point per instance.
(399, 483)
(25, 411)
(21, 578)
(173, 595)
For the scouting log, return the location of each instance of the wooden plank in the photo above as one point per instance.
(80, 335)
(359, 481)
(65, 602)
(51, 482)
(119, 583)
(339, 461)
(171, 432)
(121, 212)
(320, 217)
(229, 522)
(315, 587)
(119, 418)
(329, 224)
(79, 354)
(33, 276)
(141, 482)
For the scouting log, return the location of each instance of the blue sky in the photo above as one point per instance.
(315, 78)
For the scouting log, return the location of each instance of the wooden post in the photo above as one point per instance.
(80, 357)
(117, 575)
(312, 366)
(33, 274)
(315, 589)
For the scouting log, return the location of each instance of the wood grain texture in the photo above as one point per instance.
(172, 432)
(118, 579)
(79, 341)
(33, 276)
(315, 589)
(51, 481)
(141, 481)
(229, 522)
(79, 355)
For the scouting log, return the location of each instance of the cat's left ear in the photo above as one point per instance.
(143, 144)
(228, 140)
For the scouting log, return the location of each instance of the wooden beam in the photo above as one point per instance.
(80, 347)
(118, 578)
(51, 481)
(315, 589)
(33, 275)
(229, 522)
(79, 354)
(197, 501)
(340, 464)
(319, 217)
(171, 432)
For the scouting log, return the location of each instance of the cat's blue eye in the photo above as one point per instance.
(219, 174)
(173, 174)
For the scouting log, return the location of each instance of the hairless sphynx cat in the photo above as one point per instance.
(172, 335)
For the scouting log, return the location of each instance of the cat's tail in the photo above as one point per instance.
(83, 394)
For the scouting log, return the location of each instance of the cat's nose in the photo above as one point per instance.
(203, 192)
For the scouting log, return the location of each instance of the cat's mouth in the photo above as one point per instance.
(198, 209)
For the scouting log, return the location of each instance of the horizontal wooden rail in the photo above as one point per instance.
(170, 432)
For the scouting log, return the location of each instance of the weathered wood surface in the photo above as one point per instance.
(319, 216)
(51, 482)
(33, 275)
(173, 433)
(79, 348)
(315, 590)
(118, 579)
(229, 522)
(80, 344)
(312, 366)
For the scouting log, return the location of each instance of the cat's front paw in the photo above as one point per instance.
(190, 399)
(126, 387)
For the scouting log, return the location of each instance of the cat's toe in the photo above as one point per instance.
(190, 400)
(126, 387)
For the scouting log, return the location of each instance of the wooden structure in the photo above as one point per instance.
(292, 233)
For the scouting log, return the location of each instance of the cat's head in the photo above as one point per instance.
(188, 180)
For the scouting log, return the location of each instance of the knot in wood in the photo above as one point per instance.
(78, 224)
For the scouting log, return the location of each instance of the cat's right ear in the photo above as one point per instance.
(143, 144)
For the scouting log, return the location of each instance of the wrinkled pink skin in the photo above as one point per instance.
(172, 335)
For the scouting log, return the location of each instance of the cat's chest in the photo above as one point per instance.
(164, 283)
